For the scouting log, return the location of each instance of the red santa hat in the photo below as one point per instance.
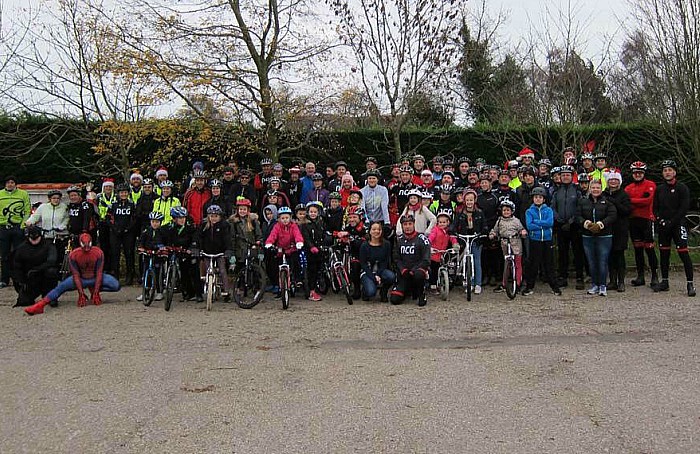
(136, 175)
(162, 171)
(107, 182)
(526, 153)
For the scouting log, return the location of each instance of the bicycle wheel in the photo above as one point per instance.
(210, 289)
(468, 280)
(323, 283)
(284, 288)
(250, 287)
(443, 283)
(148, 291)
(509, 278)
(65, 267)
(171, 282)
(344, 285)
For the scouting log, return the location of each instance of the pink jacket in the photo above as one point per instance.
(285, 237)
(440, 239)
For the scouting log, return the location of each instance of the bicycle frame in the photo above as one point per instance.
(467, 256)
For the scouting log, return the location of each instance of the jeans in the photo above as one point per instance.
(597, 249)
(109, 284)
(476, 256)
(369, 284)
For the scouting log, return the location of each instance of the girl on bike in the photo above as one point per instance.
(355, 233)
(374, 261)
(214, 237)
(180, 233)
(286, 236)
(509, 229)
(440, 239)
(471, 221)
(314, 234)
(245, 231)
(153, 239)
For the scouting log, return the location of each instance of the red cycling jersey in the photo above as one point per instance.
(642, 197)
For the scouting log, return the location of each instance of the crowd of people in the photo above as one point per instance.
(396, 225)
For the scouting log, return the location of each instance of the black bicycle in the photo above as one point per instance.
(250, 280)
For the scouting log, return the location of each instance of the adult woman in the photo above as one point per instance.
(597, 215)
(52, 216)
(623, 204)
(374, 261)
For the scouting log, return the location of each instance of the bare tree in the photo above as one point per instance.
(402, 47)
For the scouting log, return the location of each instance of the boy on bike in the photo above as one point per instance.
(153, 239)
(180, 233)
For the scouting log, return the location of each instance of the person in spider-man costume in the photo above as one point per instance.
(87, 269)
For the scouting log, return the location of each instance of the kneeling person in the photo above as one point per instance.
(34, 270)
(412, 261)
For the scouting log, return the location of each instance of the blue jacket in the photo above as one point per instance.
(539, 222)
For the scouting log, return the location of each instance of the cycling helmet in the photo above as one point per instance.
(178, 212)
(464, 159)
(243, 202)
(545, 162)
(566, 169)
(480, 161)
(504, 172)
(156, 216)
(638, 166)
(284, 210)
(495, 167)
(538, 191)
(279, 167)
(73, 189)
(148, 181)
(215, 209)
(275, 180)
(419, 157)
(356, 191)
(473, 170)
(406, 169)
(587, 156)
(507, 203)
(198, 173)
(372, 173)
(341, 163)
(448, 162)
(300, 207)
(335, 195)
(244, 173)
(529, 170)
(669, 163)
(555, 170)
(446, 189)
(443, 213)
(448, 173)
(415, 191)
(371, 159)
(600, 155)
(215, 183)
(470, 191)
(583, 177)
(122, 187)
(272, 193)
(266, 162)
(357, 210)
(315, 203)
(438, 160)
(407, 218)
(316, 177)
(166, 184)
(427, 195)
(33, 232)
(54, 192)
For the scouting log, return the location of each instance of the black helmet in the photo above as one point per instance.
(33, 232)
(54, 192)
(122, 187)
(669, 163)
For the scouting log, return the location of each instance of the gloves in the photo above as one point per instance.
(663, 223)
(586, 224)
(195, 252)
(314, 250)
(593, 227)
(300, 245)
(455, 247)
(96, 299)
(269, 246)
(232, 260)
(523, 233)
(405, 272)
(82, 300)
(600, 224)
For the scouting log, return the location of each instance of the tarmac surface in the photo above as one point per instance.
(540, 374)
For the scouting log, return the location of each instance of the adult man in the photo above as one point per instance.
(294, 186)
(412, 261)
(14, 210)
(641, 192)
(34, 270)
(228, 183)
(136, 180)
(564, 203)
(463, 165)
(437, 168)
(543, 178)
(336, 183)
(262, 179)
(671, 203)
(526, 157)
(82, 215)
(375, 200)
(600, 169)
(244, 189)
(307, 183)
(87, 271)
(195, 198)
(104, 201)
(145, 205)
(399, 192)
(426, 180)
(161, 176)
(418, 164)
(318, 193)
(514, 182)
(122, 221)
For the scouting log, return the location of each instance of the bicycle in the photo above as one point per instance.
(64, 239)
(150, 278)
(250, 280)
(337, 271)
(212, 281)
(509, 274)
(285, 279)
(171, 272)
(448, 259)
(466, 268)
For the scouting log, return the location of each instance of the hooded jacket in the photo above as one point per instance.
(539, 221)
(243, 238)
(285, 236)
(265, 225)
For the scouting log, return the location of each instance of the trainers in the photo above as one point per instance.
(159, 296)
(528, 292)
(477, 290)
(579, 284)
(556, 291)
(422, 300)
(593, 290)
(140, 297)
(691, 289)
(661, 286)
(499, 289)
(313, 296)
(602, 291)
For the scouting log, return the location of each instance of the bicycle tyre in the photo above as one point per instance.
(148, 291)
(210, 289)
(256, 287)
(171, 281)
(509, 278)
(284, 289)
(444, 283)
(468, 280)
(323, 283)
(345, 286)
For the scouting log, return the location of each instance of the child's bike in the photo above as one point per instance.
(466, 263)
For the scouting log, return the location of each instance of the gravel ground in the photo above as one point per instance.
(540, 374)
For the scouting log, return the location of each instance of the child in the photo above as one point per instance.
(508, 228)
(540, 220)
(314, 234)
(285, 235)
(245, 231)
(354, 200)
(355, 232)
(300, 219)
(334, 215)
(152, 239)
(471, 221)
(268, 222)
(180, 233)
(424, 219)
(440, 239)
(214, 237)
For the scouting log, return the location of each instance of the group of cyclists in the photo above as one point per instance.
(394, 227)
